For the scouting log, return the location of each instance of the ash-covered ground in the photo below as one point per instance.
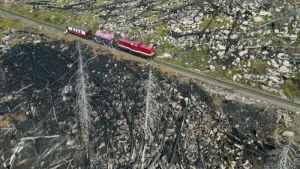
(194, 129)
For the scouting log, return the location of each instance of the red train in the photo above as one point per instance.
(85, 33)
(107, 38)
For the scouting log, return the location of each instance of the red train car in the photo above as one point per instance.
(136, 46)
(76, 30)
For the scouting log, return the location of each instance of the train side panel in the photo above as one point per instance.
(137, 47)
(125, 44)
(82, 32)
(145, 50)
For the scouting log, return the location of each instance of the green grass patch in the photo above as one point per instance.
(55, 16)
(161, 30)
(258, 67)
(297, 75)
(9, 24)
(291, 89)
(167, 48)
(211, 74)
(189, 59)
(227, 74)
(214, 23)
(196, 58)
(62, 3)
(175, 62)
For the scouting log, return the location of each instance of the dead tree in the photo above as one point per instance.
(151, 113)
(82, 99)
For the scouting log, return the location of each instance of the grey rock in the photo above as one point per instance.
(257, 19)
(37, 41)
(70, 142)
(264, 87)
(288, 134)
(171, 166)
(274, 79)
(284, 69)
(286, 63)
(242, 53)
(274, 63)
(234, 77)
(211, 67)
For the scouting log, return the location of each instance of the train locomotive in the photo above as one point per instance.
(108, 39)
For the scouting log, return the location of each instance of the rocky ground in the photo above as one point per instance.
(198, 126)
(252, 42)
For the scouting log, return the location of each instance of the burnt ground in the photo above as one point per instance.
(38, 101)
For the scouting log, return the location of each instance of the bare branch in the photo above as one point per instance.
(38, 137)
(151, 114)
(284, 158)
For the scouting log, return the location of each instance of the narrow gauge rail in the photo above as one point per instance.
(278, 102)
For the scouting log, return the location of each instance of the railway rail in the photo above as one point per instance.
(273, 100)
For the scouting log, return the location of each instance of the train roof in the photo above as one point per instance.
(137, 43)
(131, 41)
(104, 34)
(78, 27)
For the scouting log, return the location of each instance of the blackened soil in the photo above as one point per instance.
(37, 106)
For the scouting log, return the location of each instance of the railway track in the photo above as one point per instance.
(273, 100)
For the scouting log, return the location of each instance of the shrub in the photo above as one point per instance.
(290, 89)
(258, 67)
(214, 97)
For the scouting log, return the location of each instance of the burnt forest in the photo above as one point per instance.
(67, 105)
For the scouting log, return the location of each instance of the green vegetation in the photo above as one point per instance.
(161, 30)
(215, 98)
(8, 24)
(62, 3)
(214, 23)
(187, 59)
(290, 89)
(54, 16)
(175, 62)
(297, 75)
(169, 48)
(196, 58)
(212, 74)
(227, 73)
(5, 121)
(258, 67)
